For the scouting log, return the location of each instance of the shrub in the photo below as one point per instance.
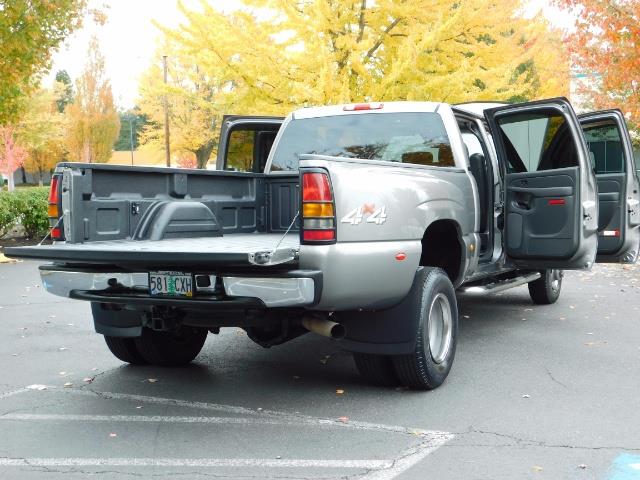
(8, 212)
(31, 207)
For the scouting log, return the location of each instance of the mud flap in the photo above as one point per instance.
(386, 332)
(110, 320)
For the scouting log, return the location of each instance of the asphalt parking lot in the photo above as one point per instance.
(549, 392)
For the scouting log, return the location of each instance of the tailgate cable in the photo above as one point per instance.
(51, 230)
(268, 257)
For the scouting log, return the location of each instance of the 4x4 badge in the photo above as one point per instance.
(368, 212)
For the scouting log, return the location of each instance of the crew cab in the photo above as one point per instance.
(359, 222)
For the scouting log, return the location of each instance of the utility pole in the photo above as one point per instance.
(131, 137)
(166, 116)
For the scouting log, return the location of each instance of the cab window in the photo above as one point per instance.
(605, 148)
(538, 141)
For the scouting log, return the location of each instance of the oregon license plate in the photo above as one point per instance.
(172, 284)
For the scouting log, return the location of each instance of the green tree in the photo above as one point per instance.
(65, 96)
(30, 30)
(93, 123)
(132, 122)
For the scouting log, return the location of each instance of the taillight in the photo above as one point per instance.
(54, 208)
(318, 210)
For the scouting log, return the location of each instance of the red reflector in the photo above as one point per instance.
(401, 256)
(318, 235)
(53, 190)
(362, 106)
(557, 201)
(56, 233)
(315, 188)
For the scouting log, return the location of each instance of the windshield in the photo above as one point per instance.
(418, 138)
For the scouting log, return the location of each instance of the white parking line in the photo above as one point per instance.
(290, 417)
(13, 392)
(152, 419)
(192, 462)
(429, 440)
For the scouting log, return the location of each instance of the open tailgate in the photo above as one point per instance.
(237, 250)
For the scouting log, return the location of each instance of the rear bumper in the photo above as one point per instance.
(295, 288)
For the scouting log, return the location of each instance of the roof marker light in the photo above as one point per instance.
(356, 107)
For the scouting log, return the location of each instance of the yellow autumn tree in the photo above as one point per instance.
(93, 123)
(41, 132)
(193, 114)
(271, 56)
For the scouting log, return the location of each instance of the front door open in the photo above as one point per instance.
(550, 207)
(612, 161)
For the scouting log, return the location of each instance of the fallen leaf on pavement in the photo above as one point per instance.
(339, 391)
(152, 380)
(526, 396)
(68, 384)
(88, 379)
(582, 466)
(343, 419)
(112, 435)
(536, 468)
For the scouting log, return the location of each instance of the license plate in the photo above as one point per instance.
(171, 284)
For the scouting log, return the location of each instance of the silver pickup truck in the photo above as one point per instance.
(358, 222)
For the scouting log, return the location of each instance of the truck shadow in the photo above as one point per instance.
(231, 364)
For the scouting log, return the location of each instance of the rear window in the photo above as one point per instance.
(418, 138)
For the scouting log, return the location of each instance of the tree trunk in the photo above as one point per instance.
(11, 185)
(203, 153)
(24, 175)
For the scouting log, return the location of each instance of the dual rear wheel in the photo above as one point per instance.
(167, 349)
(437, 330)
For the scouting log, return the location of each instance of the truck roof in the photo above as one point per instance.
(367, 107)
(474, 108)
(477, 108)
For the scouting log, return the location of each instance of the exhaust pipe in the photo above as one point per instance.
(324, 327)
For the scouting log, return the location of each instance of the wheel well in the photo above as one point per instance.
(442, 247)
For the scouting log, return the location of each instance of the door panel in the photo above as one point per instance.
(611, 155)
(550, 206)
(245, 142)
(540, 212)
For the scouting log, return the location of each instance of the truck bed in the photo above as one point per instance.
(227, 250)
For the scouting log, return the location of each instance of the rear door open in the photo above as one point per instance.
(245, 142)
(611, 154)
(550, 195)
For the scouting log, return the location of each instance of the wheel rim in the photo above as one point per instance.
(440, 328)
(556, 280)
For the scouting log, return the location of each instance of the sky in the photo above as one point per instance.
(128, 39)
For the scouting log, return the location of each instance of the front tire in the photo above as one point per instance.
(125, 349)
(171, 349)
(436, 339)
(546, 290)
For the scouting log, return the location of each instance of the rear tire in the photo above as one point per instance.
(546, 290)
(376, 369)
(171, 349)
(125, 349)
(428, 366)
